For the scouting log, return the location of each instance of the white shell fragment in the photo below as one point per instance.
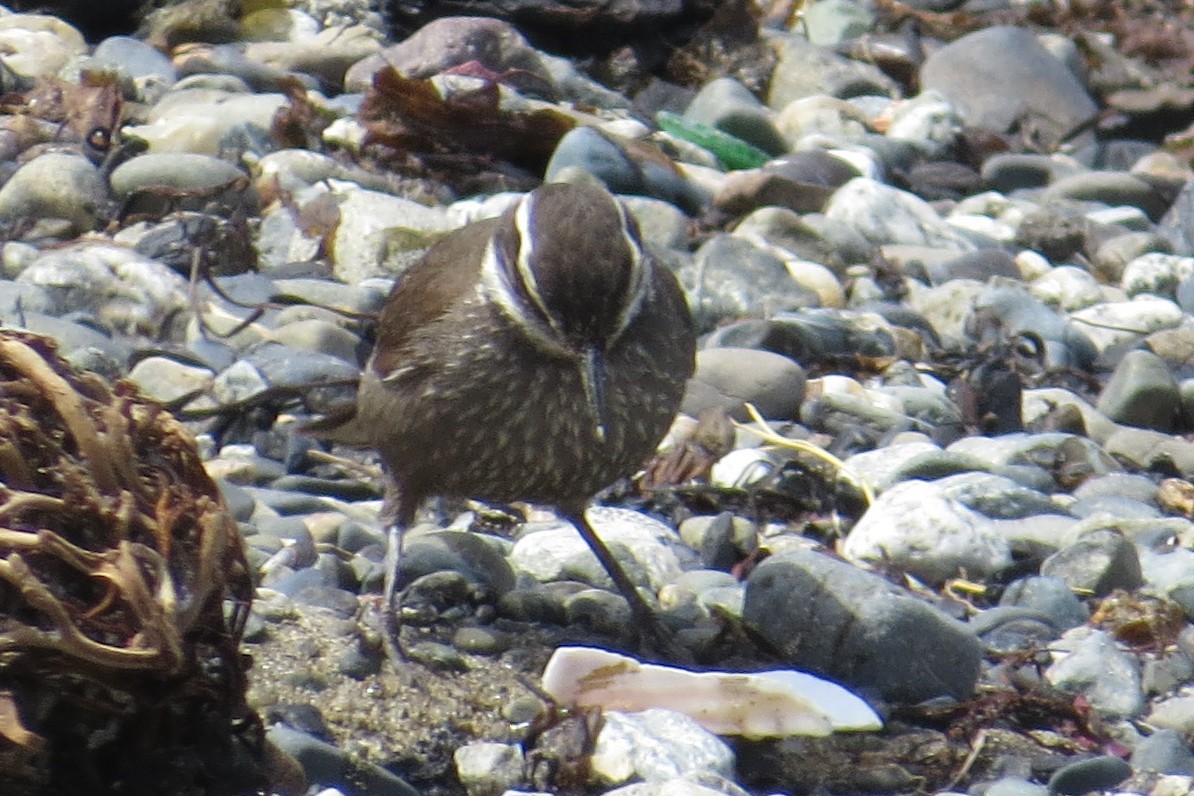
(754, 705)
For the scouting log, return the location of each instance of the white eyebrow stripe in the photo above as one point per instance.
(639, 285)
(530, 282)
(495, 285)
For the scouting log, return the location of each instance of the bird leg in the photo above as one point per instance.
(653, 636)
(390, 606)
(397, 514)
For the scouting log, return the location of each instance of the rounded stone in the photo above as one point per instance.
(1031, 80)
(727, 105)
(168, 380)
(1142, 392)
(733, 377)
(1099, 562)
(830, 617)
(176, 171)
(1093, 774)
(56, 185)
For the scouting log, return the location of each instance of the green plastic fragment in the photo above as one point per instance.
(731, 151)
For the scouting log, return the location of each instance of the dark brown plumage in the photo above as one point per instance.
(537, 357)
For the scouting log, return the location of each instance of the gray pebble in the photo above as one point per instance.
(353, 536)
(1051, 596)
(533, 605)
(1093, 774)
(328, 765)
(358, 663)
(321, 337)
(147, 66)
(1165, 752)
(489, 769)
(1008, 171)
(1015, 60)
(722, 540)
(471, 555)
(1099, 562)
(1109, 187)
(805, 69)
(600, 611)
(1142, 392)
(55, 185)
(833, 22)
(480, 640)
(302, 717)
(732, 377)
(1114, 506)
(437, 657)
(835, 619)
(727, 105)
(1092, 664)
(180, 171)
(732, 278)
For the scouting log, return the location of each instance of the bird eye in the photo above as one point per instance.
(100, 139)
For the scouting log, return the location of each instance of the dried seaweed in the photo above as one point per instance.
(411, 117)
(123, 589)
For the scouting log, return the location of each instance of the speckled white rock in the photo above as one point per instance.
(199, 120)
(657, 745)
(820, 115)
(1067, 287)
(884, 214)
(488, 769)
(1156, 273)
(1124, 322)
(379, 233)
(680, 786)
(947, 306)
(928, 121)
(114, 284)
(557, 552)
(915, 528)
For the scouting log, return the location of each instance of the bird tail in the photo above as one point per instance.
(341, 424)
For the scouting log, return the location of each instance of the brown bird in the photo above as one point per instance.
(538, 356)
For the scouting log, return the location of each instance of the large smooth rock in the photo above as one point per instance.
(850, 625)
(1036, 89)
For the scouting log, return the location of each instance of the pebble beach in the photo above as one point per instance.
(941, 258)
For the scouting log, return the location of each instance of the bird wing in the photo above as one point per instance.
(439, 279)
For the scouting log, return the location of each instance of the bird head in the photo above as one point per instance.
(567, 266)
